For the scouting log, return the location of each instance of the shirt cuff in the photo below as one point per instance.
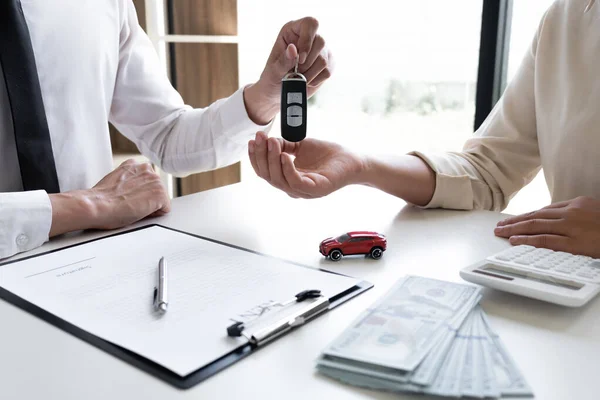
(235, 121)
(25, 221)
(452, 189)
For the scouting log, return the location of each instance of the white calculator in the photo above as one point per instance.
(552, 276)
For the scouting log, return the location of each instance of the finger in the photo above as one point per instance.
(147, 166)
(275, 168)
(260, 150)
(166, 208)
(317, 48)
(289, 147)
(533, 227)
(160, 213)
(552, 242)
(252, 156)
(129, 161)
(299, 184)
(544, 213)
(287, 59)
(305, 29)
(274, 159)
(319, 79)
(560, 204)
(318, 66)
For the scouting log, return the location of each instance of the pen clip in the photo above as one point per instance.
(308, 294)
(283, 325)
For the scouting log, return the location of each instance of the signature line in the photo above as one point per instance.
(64, 266)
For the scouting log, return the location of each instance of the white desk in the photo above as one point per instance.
(558, 349)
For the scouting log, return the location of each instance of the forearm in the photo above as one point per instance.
(407, 177)
(196, 140)
(72, 211)
(260, 105)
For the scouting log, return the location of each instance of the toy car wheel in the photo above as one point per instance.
(335, 255)
(376, 253)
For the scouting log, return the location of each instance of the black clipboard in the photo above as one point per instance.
(143, 363)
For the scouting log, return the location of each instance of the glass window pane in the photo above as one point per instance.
(405, 75)
(526, 17)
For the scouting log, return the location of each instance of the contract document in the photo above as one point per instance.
(105, 287)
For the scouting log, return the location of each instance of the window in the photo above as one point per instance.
(406, 72)
(405, 75)
(343, 238)
(526, 16)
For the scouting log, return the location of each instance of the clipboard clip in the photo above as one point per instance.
(286, 323)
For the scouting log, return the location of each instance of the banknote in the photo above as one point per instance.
(397, 331)
(358, 367)
(448, 380)
(490, 386)
(470, 381)
(427, 370)
(508, 377)
(429, 337)
(369, 382)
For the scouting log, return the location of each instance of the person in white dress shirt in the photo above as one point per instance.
(549, 116)
(95, 64)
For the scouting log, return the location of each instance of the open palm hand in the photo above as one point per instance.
(307, 169)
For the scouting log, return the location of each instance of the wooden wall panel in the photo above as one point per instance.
(204, 17)
(140, 7)
(206, 72)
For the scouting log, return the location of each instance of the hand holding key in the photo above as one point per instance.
(297, 39)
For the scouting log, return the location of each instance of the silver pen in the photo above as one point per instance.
(161, 302)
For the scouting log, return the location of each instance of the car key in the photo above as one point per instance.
(293, 106)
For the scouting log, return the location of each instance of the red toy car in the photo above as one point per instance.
(359, 242)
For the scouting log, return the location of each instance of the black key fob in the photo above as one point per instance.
(293, 107)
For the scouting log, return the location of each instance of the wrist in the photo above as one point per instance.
(72, 211)
(262, 102)
(365, 170)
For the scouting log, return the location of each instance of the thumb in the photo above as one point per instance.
(287, 59)
(306, 29)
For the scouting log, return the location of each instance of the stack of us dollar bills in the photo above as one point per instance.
(425, 336)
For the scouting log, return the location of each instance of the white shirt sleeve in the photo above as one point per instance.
(25, 221)
(149, 111)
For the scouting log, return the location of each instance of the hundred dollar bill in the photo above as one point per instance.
(470, 380)
(424, 374)
(369, 382)
(490, 386)
(448, 380)
(509, 379)
(427, 370)
(397, 331)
